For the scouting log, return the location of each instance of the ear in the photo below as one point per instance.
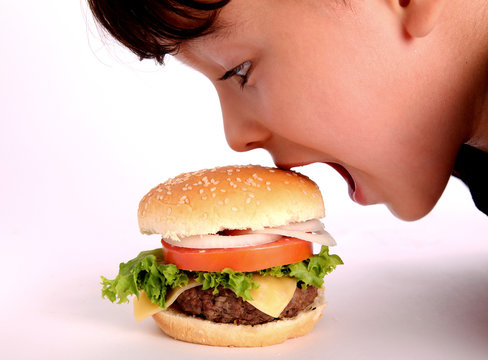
(420, 16)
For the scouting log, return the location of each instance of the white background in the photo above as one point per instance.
(86, 130)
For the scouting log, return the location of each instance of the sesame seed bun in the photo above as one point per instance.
(195, 330)
(231, 197)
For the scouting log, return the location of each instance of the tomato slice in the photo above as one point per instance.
(251, 258)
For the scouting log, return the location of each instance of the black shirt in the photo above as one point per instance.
(472, 168)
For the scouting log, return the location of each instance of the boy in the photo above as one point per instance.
(391, 93)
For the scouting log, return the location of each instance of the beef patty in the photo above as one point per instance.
(226, 307)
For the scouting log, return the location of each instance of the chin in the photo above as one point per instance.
(411, 212)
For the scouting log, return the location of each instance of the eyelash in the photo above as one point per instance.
(235, 72)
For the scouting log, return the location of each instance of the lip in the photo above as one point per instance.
(354, 192)
(288, 166)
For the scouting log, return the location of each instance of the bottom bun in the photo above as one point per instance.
(199, 331)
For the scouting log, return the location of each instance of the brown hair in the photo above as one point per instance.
(154, 28)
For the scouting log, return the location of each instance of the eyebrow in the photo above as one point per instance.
(219, 31)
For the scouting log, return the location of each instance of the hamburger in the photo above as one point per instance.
(236, 266)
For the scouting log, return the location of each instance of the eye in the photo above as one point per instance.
(242, 71)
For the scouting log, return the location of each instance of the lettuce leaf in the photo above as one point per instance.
(310, 271)
(240, 282)
(145, 272)
(148, 273)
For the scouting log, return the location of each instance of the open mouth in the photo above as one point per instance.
(354, 192)
(345, 174)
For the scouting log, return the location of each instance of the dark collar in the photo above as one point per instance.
(472, 168)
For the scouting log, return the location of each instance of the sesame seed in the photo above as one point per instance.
(235, 209)
(183, 200)
(201, 191)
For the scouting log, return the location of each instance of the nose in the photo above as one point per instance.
(243, 130)
(244, 135)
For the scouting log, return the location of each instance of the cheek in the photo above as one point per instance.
(397, 151)
(304, 100)
(328, 115)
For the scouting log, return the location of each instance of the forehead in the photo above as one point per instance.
(253, 28)
(233, 28)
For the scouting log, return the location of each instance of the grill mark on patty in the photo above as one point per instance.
(226, 307)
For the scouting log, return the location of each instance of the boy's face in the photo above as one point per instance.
(327, 83)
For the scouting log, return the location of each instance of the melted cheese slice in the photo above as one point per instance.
(143, 307)
(273, 294)
(271, 297)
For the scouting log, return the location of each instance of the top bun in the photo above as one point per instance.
(231, 197)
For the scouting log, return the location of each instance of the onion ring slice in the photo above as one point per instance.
(214, 241)
(311, 230)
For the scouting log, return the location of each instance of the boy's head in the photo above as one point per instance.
(376, 89)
